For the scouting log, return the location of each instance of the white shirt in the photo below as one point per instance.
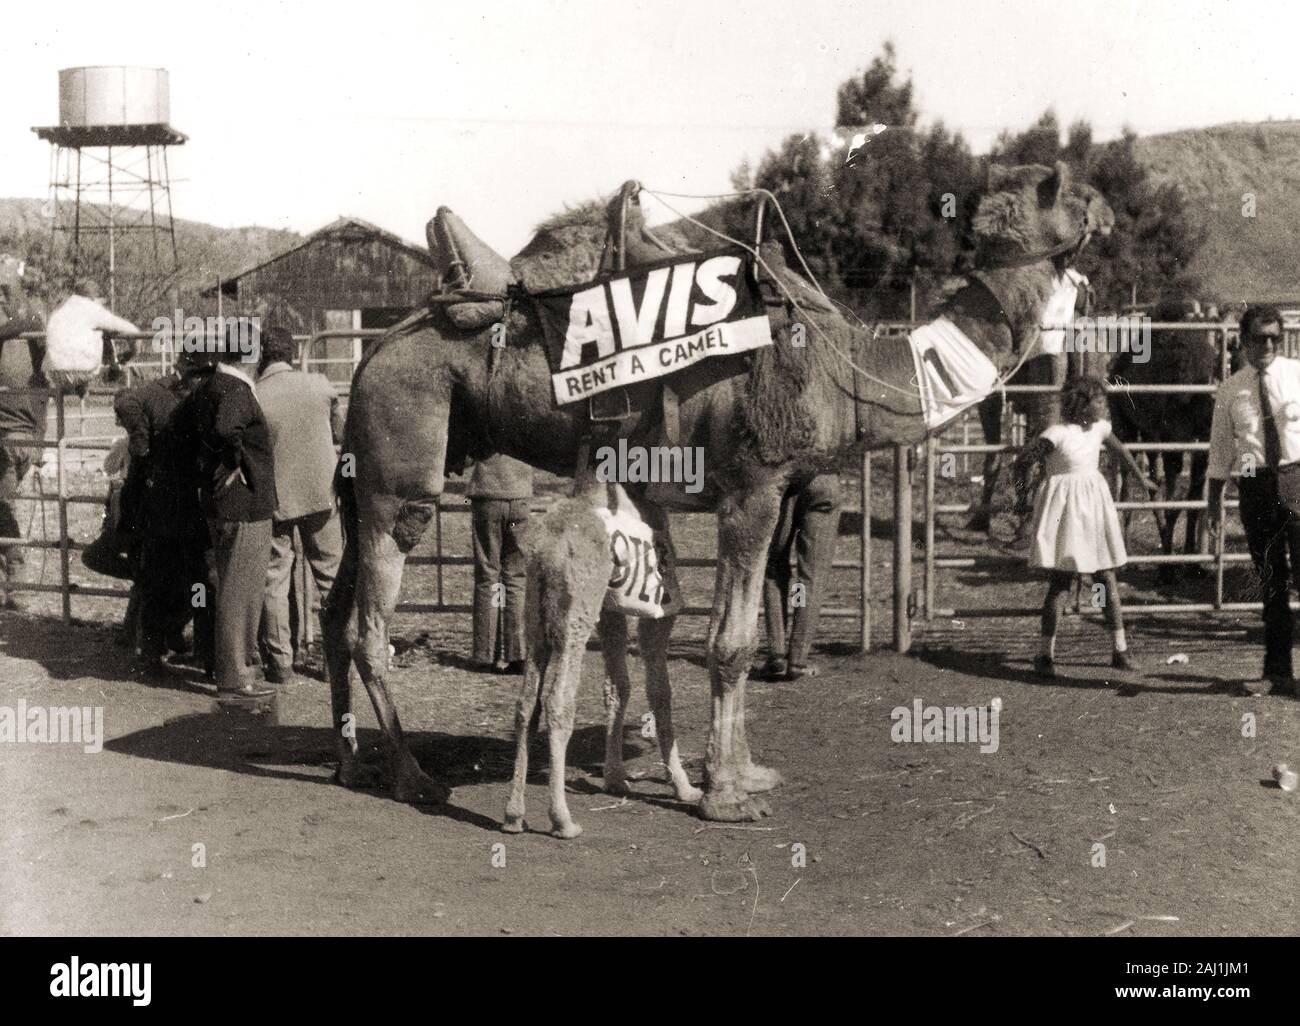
(1237, 434)
(73, 334)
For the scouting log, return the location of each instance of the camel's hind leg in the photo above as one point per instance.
(338, 616)
(379, 579)
(654, 635)
(538, 657)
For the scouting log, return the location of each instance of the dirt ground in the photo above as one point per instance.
(896, 838)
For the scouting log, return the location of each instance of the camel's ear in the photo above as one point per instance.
(999, 175)
(1051, 187)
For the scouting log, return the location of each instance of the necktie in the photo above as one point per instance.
(1272, 443)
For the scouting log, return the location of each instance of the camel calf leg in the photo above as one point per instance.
(568, 571)
(618, 689)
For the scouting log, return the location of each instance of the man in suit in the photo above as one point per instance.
(1255, 439)
(223, 427)
(21, 417)
(809, 523)
(305, 421)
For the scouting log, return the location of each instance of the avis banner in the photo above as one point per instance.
(655, 319)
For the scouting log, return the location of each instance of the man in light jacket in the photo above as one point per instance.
(305, 421)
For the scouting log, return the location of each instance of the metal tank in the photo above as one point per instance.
(109, 95)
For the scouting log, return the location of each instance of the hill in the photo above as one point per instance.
(206, 252)
(1243, 257)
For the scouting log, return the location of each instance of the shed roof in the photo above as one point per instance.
(340, 228)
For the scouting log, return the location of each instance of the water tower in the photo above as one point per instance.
(110, 186)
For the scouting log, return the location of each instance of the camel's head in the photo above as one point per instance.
(1035, 210)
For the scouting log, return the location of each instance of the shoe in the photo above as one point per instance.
(149, 671)
(1044, 666)
(798, 670)
(1121, 661)
(773, 669)
(276, 675)
(1255, 688)
(514, 668)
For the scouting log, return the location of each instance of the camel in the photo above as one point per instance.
(1040, 409)
(433, 393)
(569, 568)
(1176, 358)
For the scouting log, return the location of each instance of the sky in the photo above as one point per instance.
(300, 112)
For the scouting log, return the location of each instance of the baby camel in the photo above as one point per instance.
(569, 572)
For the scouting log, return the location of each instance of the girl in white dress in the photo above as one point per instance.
(1075, 527)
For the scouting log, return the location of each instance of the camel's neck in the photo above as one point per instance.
(1000, 312)
(1021, 293)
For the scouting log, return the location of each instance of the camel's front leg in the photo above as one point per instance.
(744, 528)
(654, 636)
(379, 579)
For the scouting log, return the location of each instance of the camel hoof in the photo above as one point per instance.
(356, 777)
(690, 795)
(756, 779)
(514, 824)
(733, 808)
(415, 787)
(567, 832)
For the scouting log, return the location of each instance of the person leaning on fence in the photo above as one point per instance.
(809, 524)
(305, 421)
(159, 526)
(1255, 439)
(22, 417)
(1075, 527)
(500, 490)
(222, 425)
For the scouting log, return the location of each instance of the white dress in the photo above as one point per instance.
(1076, 527)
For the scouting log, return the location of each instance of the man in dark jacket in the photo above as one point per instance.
(223, 426)
(162, 525)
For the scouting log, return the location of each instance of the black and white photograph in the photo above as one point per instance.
(549, 468)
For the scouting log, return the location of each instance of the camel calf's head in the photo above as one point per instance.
(1034, 209)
